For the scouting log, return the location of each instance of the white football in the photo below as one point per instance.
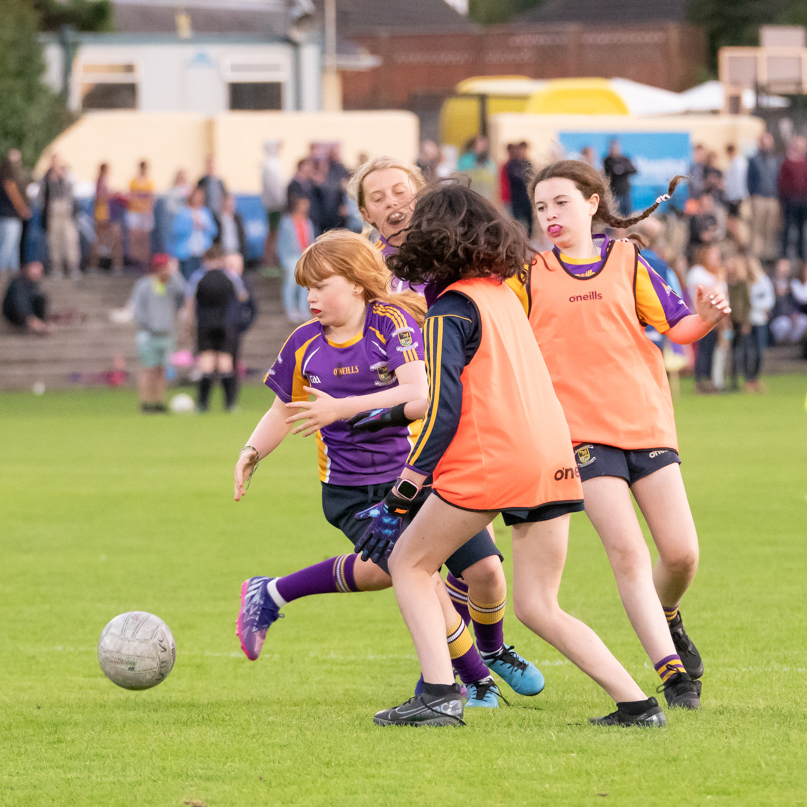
(136, 650)
(181, 403)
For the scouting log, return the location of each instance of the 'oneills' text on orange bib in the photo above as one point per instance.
(609, 377)
(512, 447)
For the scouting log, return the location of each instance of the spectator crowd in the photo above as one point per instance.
(739, 228)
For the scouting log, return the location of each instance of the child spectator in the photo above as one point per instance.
(707, 272)
(740, 303)
(155, 301)
(192, 231)
(762, 298)
(787, 324)
(108, 244)
(140, 215)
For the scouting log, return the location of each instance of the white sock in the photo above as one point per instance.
(271, 588)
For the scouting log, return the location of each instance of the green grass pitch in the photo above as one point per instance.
(104, 511)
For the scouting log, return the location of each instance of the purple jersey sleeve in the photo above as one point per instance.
(285, 376)
(656, 303)
(401, 335)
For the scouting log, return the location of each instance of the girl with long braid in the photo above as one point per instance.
(589, 299)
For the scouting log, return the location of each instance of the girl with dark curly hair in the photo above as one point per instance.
(482, 361)
(589, 300)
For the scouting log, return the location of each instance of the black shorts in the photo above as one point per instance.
(546, 512)
(341, 503)
(594, 459)
(220, 340)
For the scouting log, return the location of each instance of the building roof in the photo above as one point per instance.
(355, 17)
(605, 12)
(268, 18)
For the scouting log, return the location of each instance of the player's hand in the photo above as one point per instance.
(244, 468)
(710, 305)
(315, 414)
(380, 536)
(377, 419)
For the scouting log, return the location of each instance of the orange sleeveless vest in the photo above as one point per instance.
(609, 377)
(512, 446)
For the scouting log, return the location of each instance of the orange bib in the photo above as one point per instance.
(609, 377)
(512, 446)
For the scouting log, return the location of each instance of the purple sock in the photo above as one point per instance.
(458, 591)
(329, 577)
(488, 620)
(465, 657)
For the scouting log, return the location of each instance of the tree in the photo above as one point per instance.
(31, 114)
(83, 15)
(490, 12)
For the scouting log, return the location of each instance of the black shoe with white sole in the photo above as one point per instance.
(639, 713)
(426, 710)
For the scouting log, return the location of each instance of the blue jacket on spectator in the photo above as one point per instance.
(184, 241)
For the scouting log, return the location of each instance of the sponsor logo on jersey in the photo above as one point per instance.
(582, 298)
(566, 473)
(351, 370)
(654, 454)
(584, 456)
(405, 336)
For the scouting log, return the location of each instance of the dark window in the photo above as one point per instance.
(256, 95)
(109, 96)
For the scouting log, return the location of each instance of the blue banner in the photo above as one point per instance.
(658, 157)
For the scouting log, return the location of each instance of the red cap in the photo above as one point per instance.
(159, 260)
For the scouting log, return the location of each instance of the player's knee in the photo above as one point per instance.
(681, 563)
(485, 575)
(630, 563)
(536, 612)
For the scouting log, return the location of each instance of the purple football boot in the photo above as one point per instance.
(258, 611)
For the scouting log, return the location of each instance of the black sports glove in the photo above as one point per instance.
(377, 419)
(385, 528)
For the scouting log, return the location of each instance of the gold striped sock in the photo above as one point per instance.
(671, 613)
(459, 639)
(487, 614)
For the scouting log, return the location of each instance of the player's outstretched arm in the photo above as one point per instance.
(267, 436)
(710, 307)
(324, 409)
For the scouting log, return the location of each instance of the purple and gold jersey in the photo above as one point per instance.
(656, 303)
(362, 366)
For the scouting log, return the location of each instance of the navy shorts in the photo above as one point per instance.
(594, 459)
(341, 503)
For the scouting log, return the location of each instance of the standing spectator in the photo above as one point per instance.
(155, 301)
(736, 184)
(707, 272)
(108, 238)
(619, 169)
(211, 293)
(737, 274)
(703, 227)
(213, 186)
(792, 185)
(504, 181)
(192, 233)
(697, 170)
(13, 210)
(480, 168)
(330, 183)
(589, 156)
(140, 215)
(784, 324)
(303, 186)
(231, 236)
(295, 235)
(428, 160)
(58, 220)
(762, 298)
(273, 195)
(241, 314)
(518, 169)
(713, 180)
(763, 171)
(25, 304)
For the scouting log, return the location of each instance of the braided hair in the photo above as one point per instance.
(590, 181)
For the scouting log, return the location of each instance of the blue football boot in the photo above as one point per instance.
(484, 694)
(520, 675)
(258, 611)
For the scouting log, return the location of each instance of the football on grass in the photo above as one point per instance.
(136, 650)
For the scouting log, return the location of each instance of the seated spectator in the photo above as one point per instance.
(231, 236)
(25, 304)
(192, 232)
(155, 301)
(788, 324)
